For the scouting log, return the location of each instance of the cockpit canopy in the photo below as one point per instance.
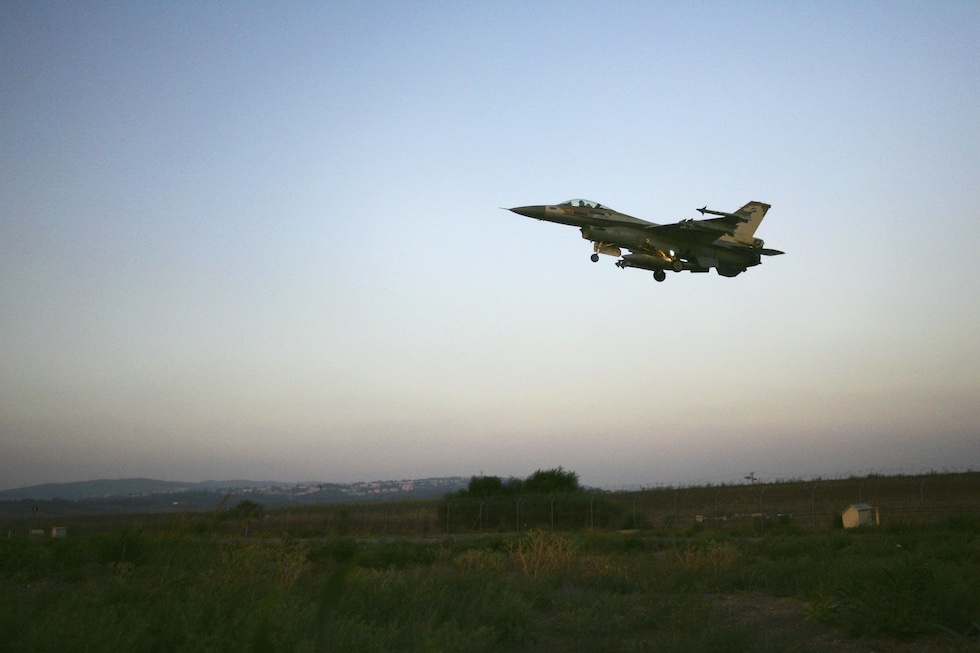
(587, 204)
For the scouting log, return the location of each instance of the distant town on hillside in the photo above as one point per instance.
(144, 494)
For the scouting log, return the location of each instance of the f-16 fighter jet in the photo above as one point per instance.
(726, 243)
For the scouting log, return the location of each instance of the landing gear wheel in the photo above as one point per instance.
(659, 275)
(595, 258)
(678, 266)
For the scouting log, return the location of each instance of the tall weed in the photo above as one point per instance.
(540, 553)
(713, 556)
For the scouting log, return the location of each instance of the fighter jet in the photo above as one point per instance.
(726, 243)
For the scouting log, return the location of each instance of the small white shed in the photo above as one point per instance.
(859, 514)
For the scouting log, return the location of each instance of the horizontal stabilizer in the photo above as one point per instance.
(770, 252)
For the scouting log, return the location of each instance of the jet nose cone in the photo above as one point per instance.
(529, 211)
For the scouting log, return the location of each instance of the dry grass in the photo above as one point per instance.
(541, 553)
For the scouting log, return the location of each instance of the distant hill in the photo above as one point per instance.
(121, 487)
(119, 496)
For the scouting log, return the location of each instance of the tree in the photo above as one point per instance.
(514, 485)
(547, 481)
(247, 510)
(485, 486)
(550, 481)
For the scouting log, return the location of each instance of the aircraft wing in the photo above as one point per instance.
(701, 232)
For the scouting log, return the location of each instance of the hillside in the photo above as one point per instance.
(121, 487)
(137, 495)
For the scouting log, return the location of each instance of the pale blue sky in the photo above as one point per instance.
(262, 240)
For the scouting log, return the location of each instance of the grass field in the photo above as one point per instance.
(909, 587)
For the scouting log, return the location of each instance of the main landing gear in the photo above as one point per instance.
(595, 258)
(677, 265)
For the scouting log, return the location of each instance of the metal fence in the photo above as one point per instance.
(753, 508)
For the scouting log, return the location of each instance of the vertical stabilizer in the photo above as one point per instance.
(753, 212)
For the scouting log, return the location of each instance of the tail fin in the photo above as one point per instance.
(752, 213)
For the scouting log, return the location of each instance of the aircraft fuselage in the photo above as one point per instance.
(578, 216)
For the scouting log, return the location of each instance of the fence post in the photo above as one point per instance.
(762, 510)
(922, 497)
(813, 506)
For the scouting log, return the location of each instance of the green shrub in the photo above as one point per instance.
(125, 546)
(396, 554)
(338, 549)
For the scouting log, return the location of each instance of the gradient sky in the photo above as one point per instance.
(263, 240)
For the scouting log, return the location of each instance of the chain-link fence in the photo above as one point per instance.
(753, 508)
(756, 507)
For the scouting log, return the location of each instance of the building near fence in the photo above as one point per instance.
(859, 514)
